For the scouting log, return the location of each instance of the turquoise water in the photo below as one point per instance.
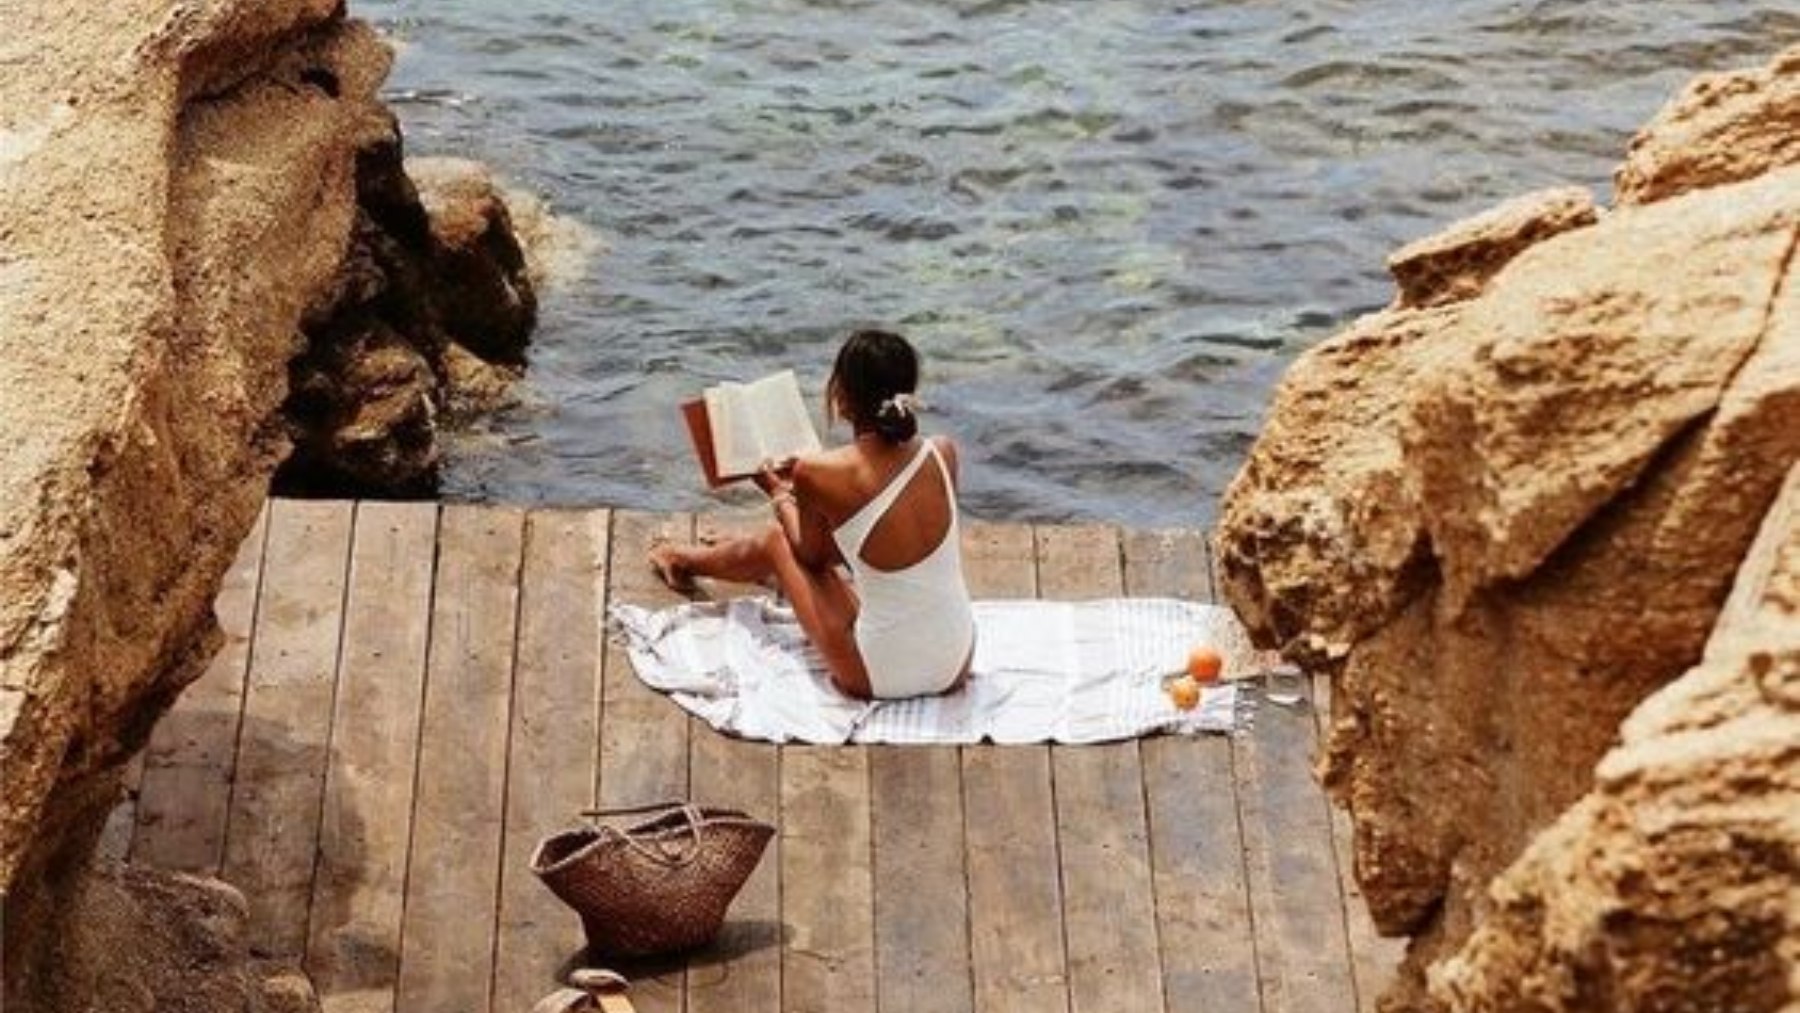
(1109, 224)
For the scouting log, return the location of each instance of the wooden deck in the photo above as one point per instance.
(411, 696)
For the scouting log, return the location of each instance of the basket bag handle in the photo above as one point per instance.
(661, 852)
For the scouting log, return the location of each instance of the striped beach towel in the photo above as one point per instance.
(1072, 672)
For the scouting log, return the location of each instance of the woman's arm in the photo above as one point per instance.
(796, 503)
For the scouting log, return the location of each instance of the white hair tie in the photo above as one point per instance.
(904, 404)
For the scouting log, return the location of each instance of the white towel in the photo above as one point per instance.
(1068, 672)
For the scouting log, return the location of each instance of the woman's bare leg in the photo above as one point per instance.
(822, 600)
(826, 608)
(741, 560)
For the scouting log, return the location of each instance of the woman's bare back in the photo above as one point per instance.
(846, 479)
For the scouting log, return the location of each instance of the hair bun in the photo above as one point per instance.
(896, 419)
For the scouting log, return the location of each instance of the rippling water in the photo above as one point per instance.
(1109, 224)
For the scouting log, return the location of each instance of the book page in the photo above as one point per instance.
(756, 422)
(733, 429)
(783, 427)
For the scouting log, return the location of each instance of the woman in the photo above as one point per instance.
(885, 505)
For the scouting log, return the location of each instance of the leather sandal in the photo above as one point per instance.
(591, 988)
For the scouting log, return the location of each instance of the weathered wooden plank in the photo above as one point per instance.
(1017, 960)
(555, 741)
(828, 965)
(273, 825)
(1167, 563)
(1373, 959)
(999, 560)
(643, 736)
(447, 938)
(353, 952)
(741, 972)
(188, 766)
(921, 890)
(1303, 959)
(1196, 849)
(1110, 907)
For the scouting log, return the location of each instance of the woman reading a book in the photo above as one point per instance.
(885, 506)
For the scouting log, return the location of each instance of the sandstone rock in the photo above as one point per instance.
(179, 183)
(1324, 491)
(1586, 358)
(1722, 128)
(1502, 523)
(1679, 874)
(159, 256)
(1456, 263)
(286, 990)
(429, 319)
(487, 303)
(139, 940)
(176, 186)
(365, 408)
(474, 385)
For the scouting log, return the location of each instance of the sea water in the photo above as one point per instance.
(1108, 224)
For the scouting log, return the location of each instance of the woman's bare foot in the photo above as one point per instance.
(665, 559)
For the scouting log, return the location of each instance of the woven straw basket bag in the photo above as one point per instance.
(655, 885)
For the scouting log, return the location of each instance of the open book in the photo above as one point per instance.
(738, 426)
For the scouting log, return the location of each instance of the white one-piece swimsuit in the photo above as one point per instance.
(915, 625)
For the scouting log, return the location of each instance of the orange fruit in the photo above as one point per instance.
(1205, 664)
(1185, 692)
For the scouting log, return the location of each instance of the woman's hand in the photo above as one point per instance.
(775, 478)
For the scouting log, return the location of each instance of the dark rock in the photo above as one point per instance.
(428, 320)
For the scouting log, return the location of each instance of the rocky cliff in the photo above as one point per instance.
(179, 185)
(1507, 509)
(1673, 884)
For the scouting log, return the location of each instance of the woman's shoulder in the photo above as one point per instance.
(823, 470)
(826, 482)
(825, 461)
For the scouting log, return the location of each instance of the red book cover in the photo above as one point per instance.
(700, 431)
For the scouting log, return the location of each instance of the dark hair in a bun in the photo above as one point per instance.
(874, 379)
